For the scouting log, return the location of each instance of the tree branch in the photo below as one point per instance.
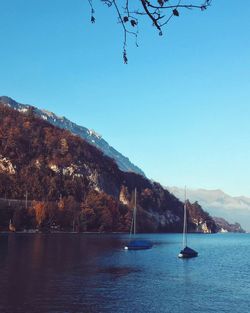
(157, 11)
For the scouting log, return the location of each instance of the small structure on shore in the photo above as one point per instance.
(12, 228)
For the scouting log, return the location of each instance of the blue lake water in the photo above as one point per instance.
(71, 273)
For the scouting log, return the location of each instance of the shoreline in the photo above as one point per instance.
(111, 233)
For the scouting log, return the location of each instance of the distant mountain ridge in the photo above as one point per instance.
(220, 204)
(225, 227)
(89, 135)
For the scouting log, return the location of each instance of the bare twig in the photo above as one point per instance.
(159, 12)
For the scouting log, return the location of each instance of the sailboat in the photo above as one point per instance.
(136, 244)
(186, 252)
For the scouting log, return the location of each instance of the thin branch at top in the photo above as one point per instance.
(131, 12)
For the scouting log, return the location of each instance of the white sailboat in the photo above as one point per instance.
(136, 244)
(186, 252)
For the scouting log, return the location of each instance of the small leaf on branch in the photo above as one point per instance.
(92, 19)
(176, 12)
(133, 23)
(160, 33)
(125, 59)
(125, 19)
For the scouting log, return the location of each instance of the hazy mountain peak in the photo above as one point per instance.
(219, 203)
(8, 101)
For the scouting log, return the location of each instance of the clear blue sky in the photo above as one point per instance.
(180, 109)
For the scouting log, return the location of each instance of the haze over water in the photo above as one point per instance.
(64, 273)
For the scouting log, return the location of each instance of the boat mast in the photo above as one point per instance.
(185, 221)
(135, 213)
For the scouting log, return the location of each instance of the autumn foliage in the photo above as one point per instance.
(71, 185)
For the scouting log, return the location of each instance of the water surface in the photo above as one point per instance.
(64, 273)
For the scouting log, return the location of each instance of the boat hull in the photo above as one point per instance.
(138, 245)
(188, 253)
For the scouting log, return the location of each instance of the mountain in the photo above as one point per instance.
(220, 204)
(89, 135)
(224, 226)
(70, 184)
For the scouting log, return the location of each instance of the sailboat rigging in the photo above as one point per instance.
(136, 244)
(186, 252)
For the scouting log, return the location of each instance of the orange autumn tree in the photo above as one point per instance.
(68, 213)
(39, 209)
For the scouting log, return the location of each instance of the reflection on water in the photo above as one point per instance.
(118, 271)
(61, 273)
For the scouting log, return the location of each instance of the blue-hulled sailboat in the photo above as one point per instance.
(186, 252)
(136, 244)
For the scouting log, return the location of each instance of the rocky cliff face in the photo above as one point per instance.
(6, 166)
(70, 182)
(202, 220)
(225, 227)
